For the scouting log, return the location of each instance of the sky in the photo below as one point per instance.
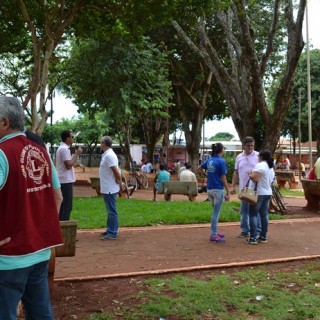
(64, 108)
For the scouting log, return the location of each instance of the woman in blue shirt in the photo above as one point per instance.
(216, 170)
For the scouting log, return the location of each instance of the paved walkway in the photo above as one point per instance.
(154, 250)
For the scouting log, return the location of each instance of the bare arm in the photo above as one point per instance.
(58, 197)
(255, 176)
(225, 183)
(235, 180)
(201, 172)
(73, 162)
(117, 174)
(4, 241)
(156, 177)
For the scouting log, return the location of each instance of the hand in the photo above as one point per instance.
(123, 186)
(79, 151)
(4, 241)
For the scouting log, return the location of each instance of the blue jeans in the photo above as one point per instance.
(112, 220)
(66, 205)
(216, 197)
(262, 208)
(30, 285)
(244, 218)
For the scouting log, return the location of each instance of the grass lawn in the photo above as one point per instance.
(292, 193)
(90, 213)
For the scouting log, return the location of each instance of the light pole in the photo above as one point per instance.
(299, 132)
(309, 91)
(203, 139)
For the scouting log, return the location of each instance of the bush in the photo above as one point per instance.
(230, 159)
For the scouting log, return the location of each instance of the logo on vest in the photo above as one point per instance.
(34, 164)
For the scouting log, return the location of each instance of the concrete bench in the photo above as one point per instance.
(68, 249)
(286, 176)
(126, 191)
(95, 184)
(311, 190)
(188, 188)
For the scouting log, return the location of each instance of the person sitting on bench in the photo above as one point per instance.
(188, 175)
(162, 175)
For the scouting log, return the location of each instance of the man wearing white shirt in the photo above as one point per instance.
(65, 167)
(188, 175)
(147, 167)
(110, 180)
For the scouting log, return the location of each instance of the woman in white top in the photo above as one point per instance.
(263, 174)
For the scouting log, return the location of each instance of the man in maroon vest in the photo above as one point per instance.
(29, 190)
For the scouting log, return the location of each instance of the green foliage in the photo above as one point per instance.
(230, 160)
(127, 79)
(222, 136)
(52, 133)
(13, 36)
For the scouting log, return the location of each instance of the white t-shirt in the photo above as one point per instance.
(187, 175)
(287, 164)
(108, 182)
(266, 179)
(63, 154)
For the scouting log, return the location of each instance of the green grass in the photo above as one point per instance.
(90, 213)
(253, 293)
(292, 193)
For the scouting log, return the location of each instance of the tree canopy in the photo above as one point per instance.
(255, 54)
(222, 136)
(129, 80)
(242, 48)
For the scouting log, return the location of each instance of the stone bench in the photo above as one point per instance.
(311, 190)
(68, 249)
(286, 176)
(126, 191)
(188, 188)
(95, 184)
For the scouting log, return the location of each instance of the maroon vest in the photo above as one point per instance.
(28, 212)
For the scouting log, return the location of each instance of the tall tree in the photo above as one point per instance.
(248, 66)
(129, 80)
(196, 93)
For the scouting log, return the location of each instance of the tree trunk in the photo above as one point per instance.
(45, 39)
(153, 128)
(242, 80)
(192, 125)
